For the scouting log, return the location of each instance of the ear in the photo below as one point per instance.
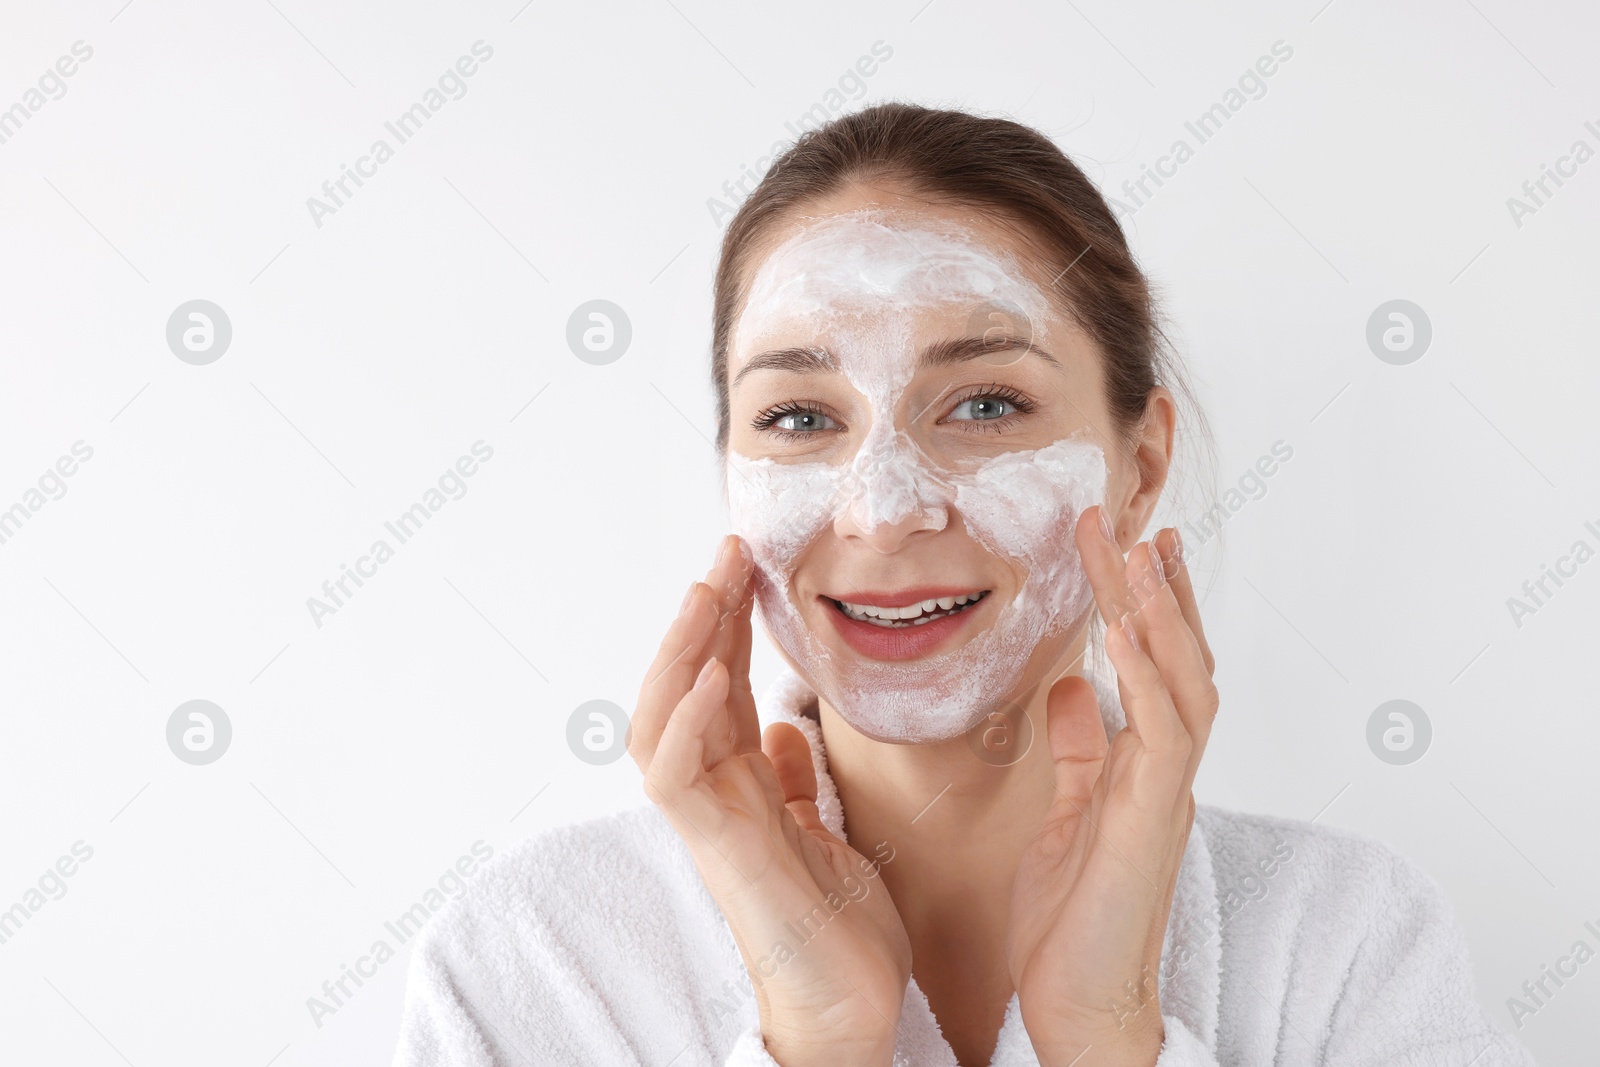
(1152, 460)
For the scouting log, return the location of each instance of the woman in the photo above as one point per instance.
(946, 418)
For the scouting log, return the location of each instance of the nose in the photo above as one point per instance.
(887, 537)
(889, 495)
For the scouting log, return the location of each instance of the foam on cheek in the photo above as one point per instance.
(779, 508)
(862, 285)
(1024, 506)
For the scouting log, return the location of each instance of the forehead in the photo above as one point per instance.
(880, 268)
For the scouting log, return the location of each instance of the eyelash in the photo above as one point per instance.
(1024, 406)
(995, 391)
(767, 418)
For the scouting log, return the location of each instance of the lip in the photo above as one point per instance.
(908, 642)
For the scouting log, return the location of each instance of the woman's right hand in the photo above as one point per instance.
(827, 953)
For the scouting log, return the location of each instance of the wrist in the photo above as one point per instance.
(796, 1049)
(829, 1031)
(1133, 1041)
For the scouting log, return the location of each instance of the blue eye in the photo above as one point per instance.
(983, 408)
(804, 422)
(795, 420)
(993, 407)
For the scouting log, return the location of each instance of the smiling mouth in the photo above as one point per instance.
(919, 614)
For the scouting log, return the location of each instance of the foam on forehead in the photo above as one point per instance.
(862, 276)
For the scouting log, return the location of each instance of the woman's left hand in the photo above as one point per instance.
(1093, 892)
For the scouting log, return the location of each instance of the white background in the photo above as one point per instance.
(369, 753)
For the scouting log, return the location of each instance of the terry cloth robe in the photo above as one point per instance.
(1289, 943)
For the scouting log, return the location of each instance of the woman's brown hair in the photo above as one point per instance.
(1012, 172)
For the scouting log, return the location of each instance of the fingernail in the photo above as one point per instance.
(686, 598)
(1105, 527)
(744, 551)
(1177, 545)
(1155, 562)
(705, 673)
(722, 552)
(1129, 632)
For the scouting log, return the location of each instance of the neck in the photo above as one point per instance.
(957, 814)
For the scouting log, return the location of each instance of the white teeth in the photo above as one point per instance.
(915, 614)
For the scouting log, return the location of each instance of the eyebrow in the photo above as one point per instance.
(939, 354)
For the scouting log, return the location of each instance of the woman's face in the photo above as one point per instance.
(914, 429)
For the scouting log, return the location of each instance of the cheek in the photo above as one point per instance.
(779, 508)
(1024, 507)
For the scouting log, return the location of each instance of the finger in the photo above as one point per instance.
(790, 754)
(1077, 736)
(1150, 711)
(732, 576)
(744, 576)
(671, 674)
(1188, 670)
(1103, 563)
(1171, 644)
(1177, 570)
(742, 701)
(727, 590)
(676, 781)
(728, 579)
(680, 755)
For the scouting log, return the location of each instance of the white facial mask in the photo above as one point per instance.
(863, 283)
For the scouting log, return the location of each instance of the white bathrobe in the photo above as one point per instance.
(1289, 944)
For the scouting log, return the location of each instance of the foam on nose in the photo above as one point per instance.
(887, 483)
